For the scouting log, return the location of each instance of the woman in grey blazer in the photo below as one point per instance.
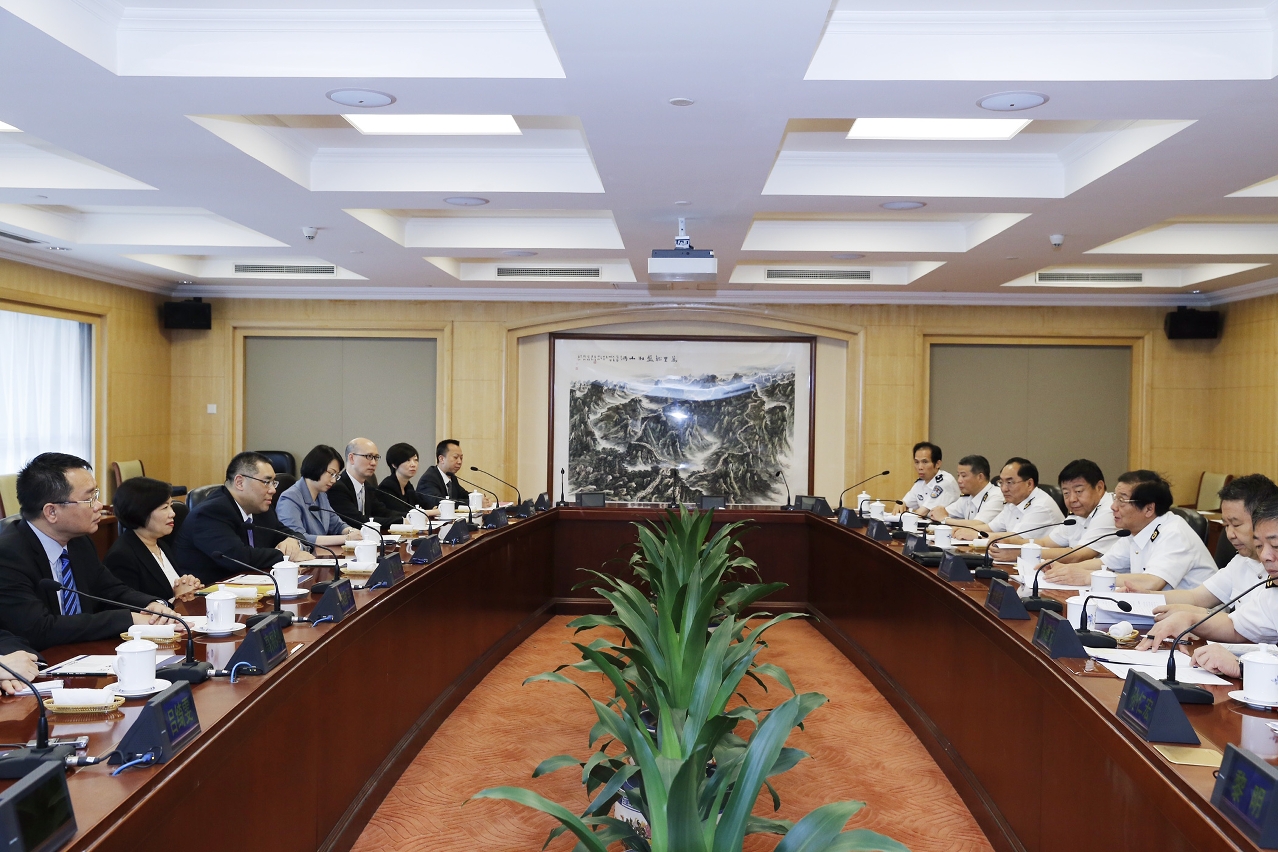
(319, 470)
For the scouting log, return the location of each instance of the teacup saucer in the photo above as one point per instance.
(210, 630)
(158, 685)
(296, 593)
(1238, 695)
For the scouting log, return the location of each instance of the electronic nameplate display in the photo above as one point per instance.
(1150, 708)
(1056, 635)
(36, 813)
(426, 550)
(337, 602)
(168, 721)
(1245, 789)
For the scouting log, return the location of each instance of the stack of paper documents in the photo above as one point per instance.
(1107, 612)
(1120, 661)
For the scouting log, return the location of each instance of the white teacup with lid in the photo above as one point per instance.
(371, 531)
(1260, 677)
(944, 535)
(447, 509)
(220, 606)
(476, 500)
(285, 574)
(876, 510)
(863, 501)
(135, 664)
(909, 521)
(1103, 581)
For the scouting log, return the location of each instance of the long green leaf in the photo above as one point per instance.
(529, 799)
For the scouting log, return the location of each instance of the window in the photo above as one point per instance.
(46, 388)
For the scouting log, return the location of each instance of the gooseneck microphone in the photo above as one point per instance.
(278, 612)
(563, 489)
(1094, 638)
(518, 497)
(862, 482)
(359, 525)
(788, 507)
(1188, 693)
(890, 501)
(988, 562)
(188, 670)
(1035, 603)
(18, 762)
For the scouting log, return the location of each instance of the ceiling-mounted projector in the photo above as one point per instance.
(683, 262)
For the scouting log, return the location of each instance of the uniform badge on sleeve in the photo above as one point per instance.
(936, 492)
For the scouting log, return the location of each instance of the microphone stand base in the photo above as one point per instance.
(1034, 604)
(990, 574)
(1187, 693)
(1096, 639)
(20, 761)
(285, 617)
(192, 673)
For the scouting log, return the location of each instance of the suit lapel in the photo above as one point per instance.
(141, 552)
(42, 564)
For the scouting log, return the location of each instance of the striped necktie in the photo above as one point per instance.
(248, 525)
(70, 600)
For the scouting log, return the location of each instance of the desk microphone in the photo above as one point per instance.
(862, 482)
(359, 525)
(18, 762)
(188, 670)
(295, 537)
(261, 616)
(1035, 603)
(1094, 638)
(989, 560)
(563, 489)
(519, 500)
(787, 507)
(411, 506)
(888, 501)
(1189, 693)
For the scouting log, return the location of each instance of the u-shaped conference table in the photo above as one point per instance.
(300, 758)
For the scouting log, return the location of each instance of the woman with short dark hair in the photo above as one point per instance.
(403, 460)
(319, 471)
(141, 557)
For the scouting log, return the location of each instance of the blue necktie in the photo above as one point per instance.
(248, 525)
(70, 600)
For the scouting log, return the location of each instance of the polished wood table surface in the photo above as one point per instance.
(299, 759)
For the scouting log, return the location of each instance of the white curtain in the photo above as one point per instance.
(46, 388)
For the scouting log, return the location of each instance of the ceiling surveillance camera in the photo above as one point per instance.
(310, 233)
(1058, 240)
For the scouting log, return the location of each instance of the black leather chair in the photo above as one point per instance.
(198, 495)
(1057, 496)
(282, 460)
(180, 511)
(1225, 551)
(286, 481)
(1196, 521)
(5, 523)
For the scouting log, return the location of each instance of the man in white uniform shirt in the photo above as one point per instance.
(1162, 552)
(981, 500)
(1083, 487)
(934, 487)
(1025, 505)
(1238, 500)
(1255, 617)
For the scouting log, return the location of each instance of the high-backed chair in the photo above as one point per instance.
(1225, 550)
(123, 470)
(199, 495)
(1196, 521)
(8, 494)
(180, 511)
(1209, 485)
(282, 460)
(1056, 495)
(9, 521)
(286, 481)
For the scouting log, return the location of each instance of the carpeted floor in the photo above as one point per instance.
(860, 750)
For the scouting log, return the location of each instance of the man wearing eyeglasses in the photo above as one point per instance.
(355, 496)
(1025, 505)
(61, 508)
(238, 522)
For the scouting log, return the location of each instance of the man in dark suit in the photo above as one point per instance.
(439, 482)
(60, 509)
(355, 496)
(235, 521)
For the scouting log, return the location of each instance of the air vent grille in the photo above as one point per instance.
(821, 274)
(282, 269)
(1090, 277)
(18, 238)
(548, 272)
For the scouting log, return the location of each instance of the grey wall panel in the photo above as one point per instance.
(303, 391)
(1049, 404)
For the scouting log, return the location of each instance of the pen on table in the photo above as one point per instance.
(58, 667)
(299, 646)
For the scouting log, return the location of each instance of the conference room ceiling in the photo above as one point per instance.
(182, 146)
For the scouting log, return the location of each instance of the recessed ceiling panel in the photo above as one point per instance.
(824, 274)
(543, 269)
(326, 154)
(1130, 277)
(130, 226)
(1120, 40)
(505, 229)
(321, 38)
(30, 163)
(1212, 237)
(1049, 159)
(235, 268)
(956, 233)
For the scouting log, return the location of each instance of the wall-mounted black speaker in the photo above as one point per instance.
(1189, 324)
(195, 313)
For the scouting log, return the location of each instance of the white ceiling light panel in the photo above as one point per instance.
(1053, 161)
(131, 226)
(506, 230)
(949, 234)
(381, 124)
(1207, 238)
(1120, 40)
(1113, 278)
(952, 129)
(504, 38)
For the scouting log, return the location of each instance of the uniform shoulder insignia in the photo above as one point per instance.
(940, 477)
(984, 497)
(1028, 502)
(1155, 535)
(936, 492)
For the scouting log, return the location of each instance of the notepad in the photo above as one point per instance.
(44, 687)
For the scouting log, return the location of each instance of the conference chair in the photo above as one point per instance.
(1209, 485)
(1056, 495)
(199, 495)
(121, 471)
(282, 460)
(286, 481)
(1196, 521)
(5, 523)
(1225, 551)
(180, 511)
(8, 494)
